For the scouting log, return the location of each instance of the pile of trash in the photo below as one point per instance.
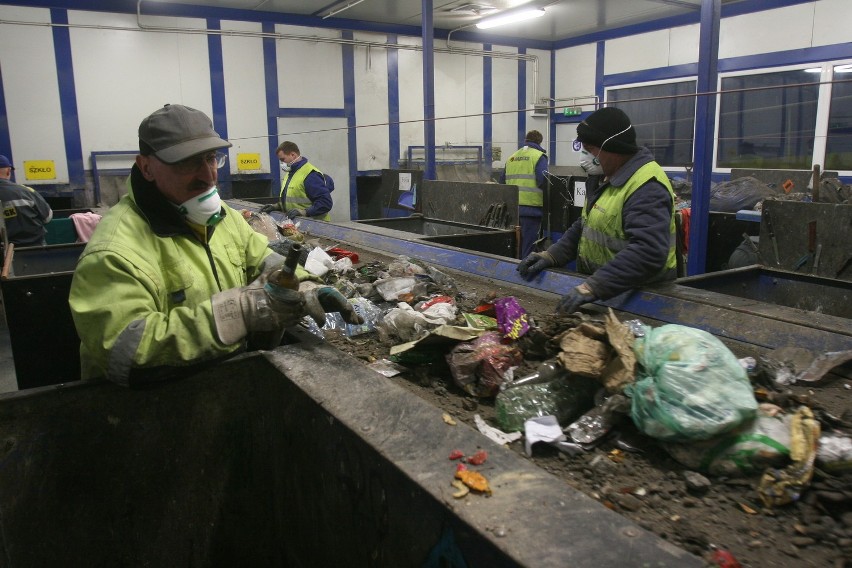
(575, 382)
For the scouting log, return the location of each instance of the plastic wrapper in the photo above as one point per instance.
(481, 366)
(264, 224)
(368, 311)
(690, 386)
(834, 453)
(567, 399)
(391, 288)
(749, 449)
(737, 194)
(512, 319)
(406, 324)
(403, 266)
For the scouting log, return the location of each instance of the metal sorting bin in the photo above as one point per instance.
(299, 456)
(35, 284)
(502, 242)
(781, 288)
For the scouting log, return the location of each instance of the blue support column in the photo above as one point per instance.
(428, 33)
(705, 114)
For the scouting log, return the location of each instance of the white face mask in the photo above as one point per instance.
(590, 164)
(204, 209)
(285, 167)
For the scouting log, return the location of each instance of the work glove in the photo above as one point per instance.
(268, 208)
(571, 302)
(320, 300)
(295, 212)
(238, 311)
(535, 263)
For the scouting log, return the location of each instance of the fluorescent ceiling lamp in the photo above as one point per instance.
(510, 18)
(843, 69)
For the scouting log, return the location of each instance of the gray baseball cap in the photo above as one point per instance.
(177, 132)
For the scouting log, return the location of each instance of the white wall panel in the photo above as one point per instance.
(565, 154)
(371, 104)
(504, 105)
(474, 95)
(832, 19)
(410, 96)
(325, 148)
(782, 29)
(310, 73)
(31, 90)
(245, 96)
(450, 98)
(575, 72)
(137, 72)
(683, 45)
(642, 51)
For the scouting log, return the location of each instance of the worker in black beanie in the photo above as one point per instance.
(625, 237)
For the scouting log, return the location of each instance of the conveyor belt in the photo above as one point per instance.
(745, 320)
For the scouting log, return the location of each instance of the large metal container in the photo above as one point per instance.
(502, 242)
(781, 288)
(298, 457)
(35, 289)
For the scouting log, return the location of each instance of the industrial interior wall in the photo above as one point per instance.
(770, 38)
(31, 91)
(257, 95)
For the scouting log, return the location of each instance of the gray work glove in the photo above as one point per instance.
(270, 207)
(535, 263)
(238, 311)
(320, 300)
(296, 212)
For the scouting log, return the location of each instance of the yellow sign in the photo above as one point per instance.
(248, 162)
(39, 169)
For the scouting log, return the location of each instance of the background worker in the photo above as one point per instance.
(173, 279)
(526, 168)
(24, 209)
(625, 237)
(305, 191)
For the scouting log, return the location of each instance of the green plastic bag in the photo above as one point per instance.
(689, 387)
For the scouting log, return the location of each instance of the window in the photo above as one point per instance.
(663, 116)
(768, 120)
(838, 151)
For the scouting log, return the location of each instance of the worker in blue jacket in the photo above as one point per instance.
(625, 237)
(526, 168)
(305, 190)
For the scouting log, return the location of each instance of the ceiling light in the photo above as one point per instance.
(814, 70)
(510, 18)
(843, 69)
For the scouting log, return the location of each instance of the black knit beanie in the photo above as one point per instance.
(609, 129)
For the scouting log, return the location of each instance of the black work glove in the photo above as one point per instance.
(572, 301)
(295, 212)
(535, 263)
(270, 207)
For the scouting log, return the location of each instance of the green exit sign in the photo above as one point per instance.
(571, 111)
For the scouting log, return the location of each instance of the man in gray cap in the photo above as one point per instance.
(25, 211)
(625, 237)
(174, 280)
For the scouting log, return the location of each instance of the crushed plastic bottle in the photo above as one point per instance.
(547, 371)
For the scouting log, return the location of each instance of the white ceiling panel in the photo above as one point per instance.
(563, 19)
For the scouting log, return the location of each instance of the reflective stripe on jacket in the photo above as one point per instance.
(293, 187)
(141, 292)
(520, 171)
(603, 233)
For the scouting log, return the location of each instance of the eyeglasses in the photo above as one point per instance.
(191, 164)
